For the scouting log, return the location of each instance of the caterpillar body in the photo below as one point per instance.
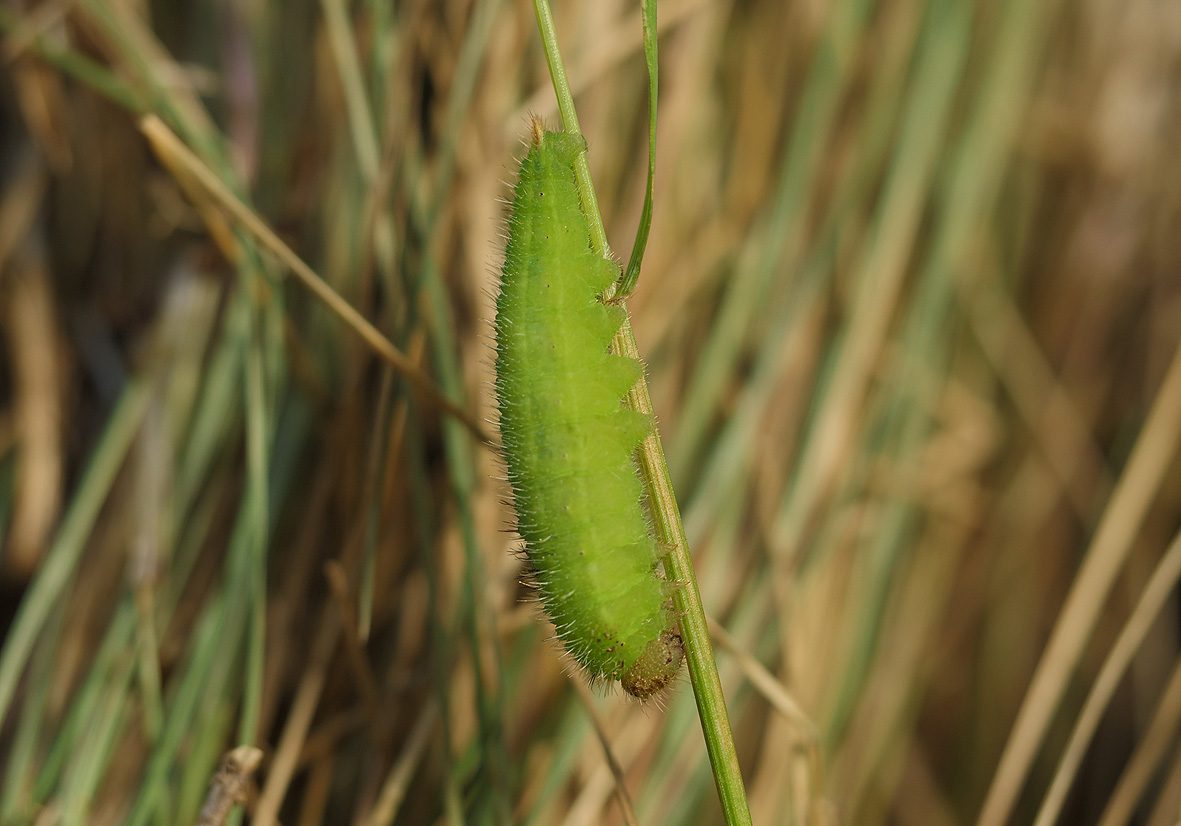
(568, 440)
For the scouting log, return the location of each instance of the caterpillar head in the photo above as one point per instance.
(656, 667)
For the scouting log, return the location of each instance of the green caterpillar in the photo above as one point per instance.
(568, 440)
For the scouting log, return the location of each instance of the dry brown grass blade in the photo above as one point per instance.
(1145, 762)
(765, 683)
(1046, 405)
(621, 793)
(1156, 594)
(1150, 459)
(1164, 813)
(393, 791)
(179, 159)
(299, 719)
(33, 339)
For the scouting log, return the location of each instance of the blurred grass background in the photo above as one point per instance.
(911, 309)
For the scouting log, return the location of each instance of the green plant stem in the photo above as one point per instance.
(666, 515)
(557, 73)
(678, 564)
(627, 282)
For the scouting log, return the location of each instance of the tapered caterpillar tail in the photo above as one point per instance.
(569, 442)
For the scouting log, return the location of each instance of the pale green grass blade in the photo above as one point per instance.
(61, 562)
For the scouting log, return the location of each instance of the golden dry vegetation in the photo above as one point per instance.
(911, 310)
